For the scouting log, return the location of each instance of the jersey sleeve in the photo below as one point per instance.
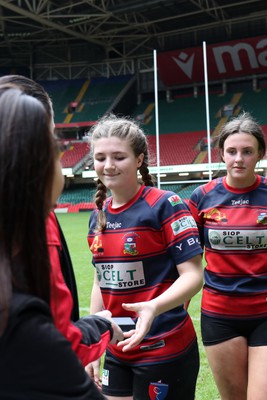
(179, 229)
(193, 205)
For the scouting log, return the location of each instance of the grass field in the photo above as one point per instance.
(75, 227)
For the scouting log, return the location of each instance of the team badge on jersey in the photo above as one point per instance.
(262, 218)
(158, 390)
(174, 200)
(96, 247)
(215, 215)
(130, 245)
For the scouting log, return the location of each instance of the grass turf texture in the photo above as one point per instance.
(75, 227)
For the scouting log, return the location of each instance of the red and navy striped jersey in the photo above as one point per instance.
(233, 228)
(136, 258)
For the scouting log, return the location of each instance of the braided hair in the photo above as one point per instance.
(125, 129)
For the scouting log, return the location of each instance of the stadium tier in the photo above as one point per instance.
(83, 100)
(73, 152)
(182, 124)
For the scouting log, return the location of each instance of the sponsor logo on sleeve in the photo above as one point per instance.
(182, 224)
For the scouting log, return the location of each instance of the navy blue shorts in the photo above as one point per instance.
(218, 330)
(180, 376)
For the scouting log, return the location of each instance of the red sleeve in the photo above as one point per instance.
(61, 305)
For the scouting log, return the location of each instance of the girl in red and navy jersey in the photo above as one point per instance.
(231, 213)
(147, 260)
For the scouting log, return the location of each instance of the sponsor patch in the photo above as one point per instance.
(174, 200)
(182, 224)
(241, 239)
(105, 377)
(120, 275)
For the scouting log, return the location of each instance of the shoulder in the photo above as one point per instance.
(154, 197)
(205, 189)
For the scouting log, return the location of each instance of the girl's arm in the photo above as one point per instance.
(184, 288)
(96, 304)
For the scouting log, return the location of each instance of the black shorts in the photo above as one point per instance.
(218, 330)
(180, 376)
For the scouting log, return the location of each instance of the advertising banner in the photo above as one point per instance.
(224, 60)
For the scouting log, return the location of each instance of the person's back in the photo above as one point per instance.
(36, 361)
(89, 336)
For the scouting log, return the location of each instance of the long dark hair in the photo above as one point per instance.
(27, 163)
(30, 87)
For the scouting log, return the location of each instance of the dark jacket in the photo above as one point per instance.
(36, 361)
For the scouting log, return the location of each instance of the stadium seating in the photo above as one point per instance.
(176, 148)
(182, 127)
(74, 154)
(93, 97)
(76, 195)
(62, 93)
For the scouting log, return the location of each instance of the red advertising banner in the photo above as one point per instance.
(224, 60)
(74, 124)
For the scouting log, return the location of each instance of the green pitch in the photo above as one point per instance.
(75, 227)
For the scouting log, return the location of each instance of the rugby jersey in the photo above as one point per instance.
(233, 228)
(135, 259)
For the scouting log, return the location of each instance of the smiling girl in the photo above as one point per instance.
(147, 260)
(231, 213)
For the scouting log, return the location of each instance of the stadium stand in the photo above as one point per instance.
(77, 198)
(74, 153)
(99, 96)
(92, 97)
(76, 195)
(176, 148)
(255, 102)
(186, 192)
(178, 144)
(62, 93)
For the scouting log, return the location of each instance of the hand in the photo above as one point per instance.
(146, 313)
(117, 332)
(93, 370)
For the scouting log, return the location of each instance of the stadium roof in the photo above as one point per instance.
(52, 33)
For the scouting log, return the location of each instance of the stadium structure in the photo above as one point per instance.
(96, 56)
